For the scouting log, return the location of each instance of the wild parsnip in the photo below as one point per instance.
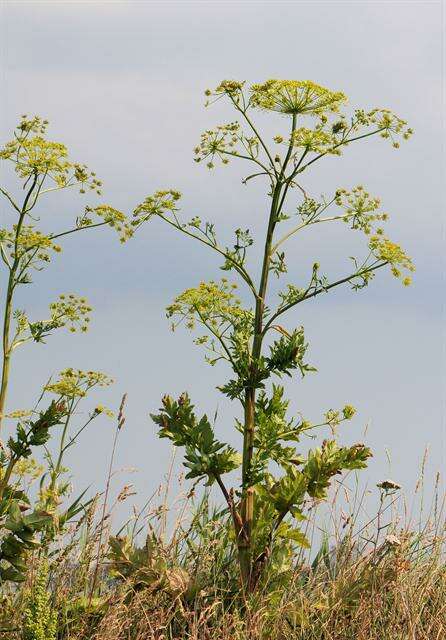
(42, 167)
(266, 508)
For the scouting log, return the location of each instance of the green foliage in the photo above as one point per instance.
(20, 539)
(287, 353)
(20, 529)
(205, 456)
(146, 567)
(329, 460)
(35, 433)
(264, 506)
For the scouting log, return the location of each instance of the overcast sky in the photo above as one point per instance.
(122, 85)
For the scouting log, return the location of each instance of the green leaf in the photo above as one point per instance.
(205, 455)
(289, 491)
(285, 531)
(9, 574)
(38, 519)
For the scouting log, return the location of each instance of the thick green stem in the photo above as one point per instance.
(247, 511)
(6, 347)
(8, 303)
(247, 506)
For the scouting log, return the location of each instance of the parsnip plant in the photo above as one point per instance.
(266, 508)
(42, 167)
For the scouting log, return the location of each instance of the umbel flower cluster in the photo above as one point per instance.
(299, 99)
(110, 217)
(43, 166)
(160, 203)
(211, 302)
(34, 154)
(75, 383)
(70, 311)
(294, 97)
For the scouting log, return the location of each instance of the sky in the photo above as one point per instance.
(122, 84)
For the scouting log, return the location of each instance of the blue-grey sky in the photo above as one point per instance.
(122, 85)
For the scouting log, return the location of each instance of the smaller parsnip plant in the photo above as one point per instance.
(42, 167)
(266, 508)
(26, 247)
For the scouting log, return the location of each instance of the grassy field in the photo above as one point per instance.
(173, 575)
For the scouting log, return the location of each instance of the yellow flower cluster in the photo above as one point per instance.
(75, 383)
(348, 412)
(35, 124)
(359, 208)
(315, 140)
(29, 469)
(295, 97)
(227, 86)
(110, 216)
(384, 119)
(17, 414)
(29, 239)
(105, 410)
(157, 204)
(221, 142)
(35, 155)
(72, 311)
(212, 303)
(231, 88)
(393, 254)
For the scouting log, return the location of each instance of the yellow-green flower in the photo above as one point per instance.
(295, 97)
(75, 383)
(392, 253)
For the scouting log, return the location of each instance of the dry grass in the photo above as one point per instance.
(378, 580)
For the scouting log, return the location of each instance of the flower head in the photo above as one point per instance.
(30, 244)
(229, 87)
(74, 383)
(33, 154)
(361, 209)
(393, 254)
(212, 303)
(111, 217)
(295, 97)
(100, 408)
(388, 485)
(70, 311)
(158, 204)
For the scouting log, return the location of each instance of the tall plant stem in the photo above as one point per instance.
(247, 506)
(8, 302)
(247, 511)
(6, 348)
